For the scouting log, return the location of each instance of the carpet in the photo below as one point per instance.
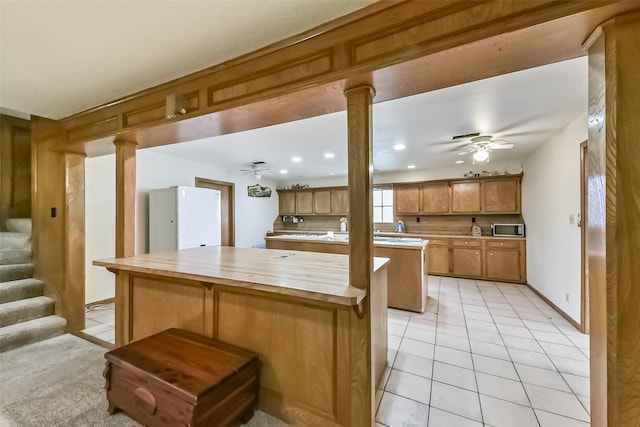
(58, 382)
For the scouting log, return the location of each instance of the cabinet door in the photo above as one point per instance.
(304, 202)
(435, 198)
(504, 265)
(438, 262)
(502, 196)
(406, 199)
(340, 201)
(466, 261)
(322, 201)
(287, 202)
(465, 197)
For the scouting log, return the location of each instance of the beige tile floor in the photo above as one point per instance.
(482, 354)
(100, 321)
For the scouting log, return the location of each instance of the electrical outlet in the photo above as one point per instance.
(572, 219)
(566, 296)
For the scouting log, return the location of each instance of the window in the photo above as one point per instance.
(383, 205)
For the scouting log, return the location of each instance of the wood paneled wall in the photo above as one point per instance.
(15, 169)
(614, 218)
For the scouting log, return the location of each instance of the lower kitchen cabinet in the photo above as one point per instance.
(504, 261)
(485, 259)
(439, 261)
(466, 262)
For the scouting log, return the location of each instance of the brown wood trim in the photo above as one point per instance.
(227, 207)
(102, 301)
(555, 307)
(584, 258)
(125, 198)
(371, 39)
(94, 340)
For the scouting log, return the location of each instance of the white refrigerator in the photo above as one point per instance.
(183, 217)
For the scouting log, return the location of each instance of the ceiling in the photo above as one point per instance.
(96, 51)
(524, 108)
(60, 57)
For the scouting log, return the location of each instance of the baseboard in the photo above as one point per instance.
(94, 340)
(556, 308)
(103, 301)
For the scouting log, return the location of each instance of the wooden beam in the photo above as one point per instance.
(125, 198)
(613, 232)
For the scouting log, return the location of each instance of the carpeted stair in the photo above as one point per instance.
(26, 316)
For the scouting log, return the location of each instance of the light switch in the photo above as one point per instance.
(572, 219)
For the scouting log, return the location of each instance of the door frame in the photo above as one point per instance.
(227, 207)
(582, 222)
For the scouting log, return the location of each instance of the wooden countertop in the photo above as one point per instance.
(343, 240)
(309, 275)
(425, 236)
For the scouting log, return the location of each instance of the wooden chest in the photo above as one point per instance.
(178, 378)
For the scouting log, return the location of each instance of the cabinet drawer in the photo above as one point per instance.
(503, 244)
(474, 243)
(438, 242)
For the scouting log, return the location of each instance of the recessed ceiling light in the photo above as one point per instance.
(399, 147)
(329, 155)
(283, 171)
(459, 161)
(411, 167)
(295, 159)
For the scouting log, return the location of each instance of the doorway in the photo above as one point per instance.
(227, 192)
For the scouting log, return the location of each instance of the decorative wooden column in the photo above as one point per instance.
(614, 215)
(360, 150)
(125, 230)
(125, 198)
(74, 256)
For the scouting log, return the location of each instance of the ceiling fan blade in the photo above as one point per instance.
(463, 152)
(501, 146)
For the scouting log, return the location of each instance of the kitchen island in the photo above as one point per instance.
(407, 275)
(322, 343)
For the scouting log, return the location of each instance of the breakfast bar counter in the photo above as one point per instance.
(322, 343)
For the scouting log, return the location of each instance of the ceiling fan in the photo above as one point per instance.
(482, 145)
(257, 169)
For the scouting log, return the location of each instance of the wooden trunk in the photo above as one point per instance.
(178, 378)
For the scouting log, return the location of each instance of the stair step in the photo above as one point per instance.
(25, 309)
(15, 272)
(12, 240)
(20, 289)
(20, 225)
(15, 256)
(35, 330)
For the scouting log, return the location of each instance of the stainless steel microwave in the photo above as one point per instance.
(507, 230)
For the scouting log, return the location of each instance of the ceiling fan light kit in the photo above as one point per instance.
(481, 146)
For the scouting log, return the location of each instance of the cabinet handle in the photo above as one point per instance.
(466, 243)
(490, 253)
(501, 244)
(477, 253)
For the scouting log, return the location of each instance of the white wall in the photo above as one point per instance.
(100, 225)
(454, 171)
(253, 216)
(550, 193)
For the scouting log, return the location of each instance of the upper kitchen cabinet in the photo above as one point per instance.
(340, 201)
(466, 197)
(406, 199)
(435, 198)
(322, 201)
(304, 202)
(501, 196)
(287, 202)
(314, 201)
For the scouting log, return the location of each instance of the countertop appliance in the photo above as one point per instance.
(507, 230)
(183, 217)
(400, 228)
